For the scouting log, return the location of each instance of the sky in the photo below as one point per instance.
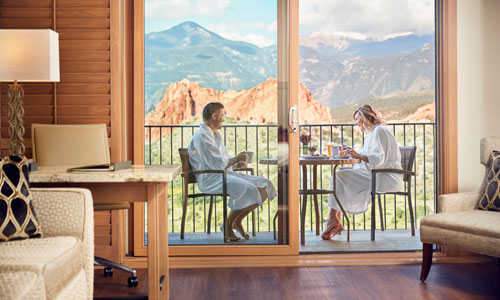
(254, 21)
(369, 18)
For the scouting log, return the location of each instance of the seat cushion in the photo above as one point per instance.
(57, 259)
(484, 223)
(21, 285)
(17, 218)
(76, 288)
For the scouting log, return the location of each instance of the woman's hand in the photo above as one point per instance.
(355, 154)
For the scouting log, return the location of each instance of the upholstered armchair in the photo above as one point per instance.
(60, 265)
(459, 224)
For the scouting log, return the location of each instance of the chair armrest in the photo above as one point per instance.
(458, 201)
(204, 172)
(244, 170)
(399, 171)
(223, 172)
(68, 212)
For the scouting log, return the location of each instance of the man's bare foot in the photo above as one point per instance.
(331, 232)
(233, 238)
(230, 235)
(238, 227)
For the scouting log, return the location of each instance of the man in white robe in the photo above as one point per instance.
(208, 152)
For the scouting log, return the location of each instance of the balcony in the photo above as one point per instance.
(162, 143)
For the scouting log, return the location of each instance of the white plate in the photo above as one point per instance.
(314, 157)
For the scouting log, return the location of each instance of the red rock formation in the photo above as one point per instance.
(424, 113)
(258, 105)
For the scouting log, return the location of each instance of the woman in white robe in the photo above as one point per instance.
(353, 187)
(208, 152)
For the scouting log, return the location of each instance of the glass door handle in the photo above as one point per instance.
(292, 118)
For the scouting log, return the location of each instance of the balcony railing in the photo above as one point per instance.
(163, 142)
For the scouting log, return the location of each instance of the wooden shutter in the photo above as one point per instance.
(90, 87)
(86, 94)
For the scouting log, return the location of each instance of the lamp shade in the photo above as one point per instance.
(29, 55)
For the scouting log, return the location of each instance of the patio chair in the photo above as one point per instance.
(73, 146)
(188, 177)
(407, 160)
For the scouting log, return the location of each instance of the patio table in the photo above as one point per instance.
(315, 162)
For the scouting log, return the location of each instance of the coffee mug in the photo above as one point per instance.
(250, 156)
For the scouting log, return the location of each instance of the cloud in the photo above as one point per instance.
(235, 31)
(273, 27)
(179, 9)
(374, 18)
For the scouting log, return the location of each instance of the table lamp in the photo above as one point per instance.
(26, 55)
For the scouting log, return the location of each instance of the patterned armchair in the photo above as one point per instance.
(60, 265)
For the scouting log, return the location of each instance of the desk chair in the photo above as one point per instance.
(188, 177)
(407, 160)
(73, 146)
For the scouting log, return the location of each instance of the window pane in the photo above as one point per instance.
(197, 52)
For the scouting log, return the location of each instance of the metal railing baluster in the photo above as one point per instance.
(171, 134)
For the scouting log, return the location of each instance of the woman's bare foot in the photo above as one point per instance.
(238, 227)
(331, 232)
(331, 222)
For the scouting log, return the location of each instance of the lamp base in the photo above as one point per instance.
(16, 114)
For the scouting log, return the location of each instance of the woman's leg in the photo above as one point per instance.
(333, 225)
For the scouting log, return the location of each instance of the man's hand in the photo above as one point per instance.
(242, 156)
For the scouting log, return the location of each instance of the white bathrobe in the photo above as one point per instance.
(353, 187)
(208, 152)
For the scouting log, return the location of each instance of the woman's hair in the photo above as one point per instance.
(370, 115)
(210, 109)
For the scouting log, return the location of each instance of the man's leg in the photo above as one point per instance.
(230, 220)
(237, 223)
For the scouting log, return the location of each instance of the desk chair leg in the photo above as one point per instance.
(380, 211)
(210, 207)
(110, 265)
(410, 207)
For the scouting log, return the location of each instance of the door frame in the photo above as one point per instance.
(287, 6)
(446, 115)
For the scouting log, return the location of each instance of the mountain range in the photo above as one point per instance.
(337, 69)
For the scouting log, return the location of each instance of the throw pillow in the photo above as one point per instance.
(490, 198)
(17, 218)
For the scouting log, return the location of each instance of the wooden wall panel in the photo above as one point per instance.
(89, 51)
(84, 93)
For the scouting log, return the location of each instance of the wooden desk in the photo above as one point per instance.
(315, 162)
(138, 184)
